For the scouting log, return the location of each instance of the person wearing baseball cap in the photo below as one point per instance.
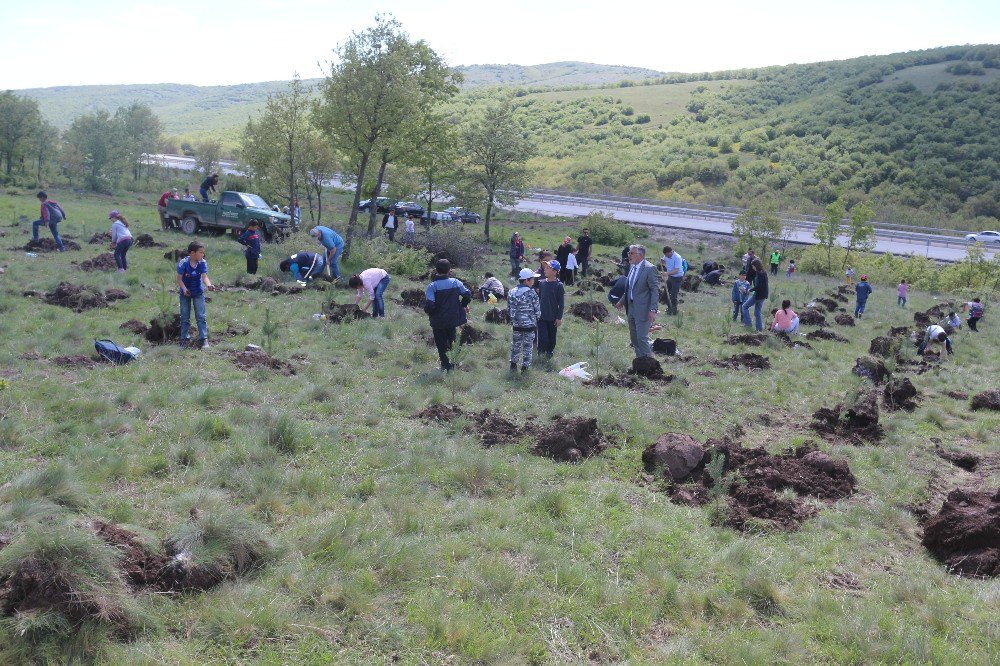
(552, 297)
(524, 309)
(863, 290)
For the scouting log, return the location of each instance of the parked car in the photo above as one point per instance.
(404, 208)
(231, 212)
(435, 217)
(984, 237)
(381, 204)
(463, 215)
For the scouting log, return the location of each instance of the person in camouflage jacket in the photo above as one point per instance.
(524, 309)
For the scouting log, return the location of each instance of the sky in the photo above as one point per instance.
(217, 42)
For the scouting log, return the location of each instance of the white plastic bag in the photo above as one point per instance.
(620, 321)
(577, 371)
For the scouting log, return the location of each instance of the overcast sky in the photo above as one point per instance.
(69, 42)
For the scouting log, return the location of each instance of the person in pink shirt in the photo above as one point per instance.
(901, 293)
(785, 319)
(374, 282)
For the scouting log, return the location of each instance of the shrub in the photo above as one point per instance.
(461, 250)
(395, 258)
(606, 230)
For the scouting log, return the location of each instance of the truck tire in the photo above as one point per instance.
(189, 225)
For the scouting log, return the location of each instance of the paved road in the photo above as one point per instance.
(939, 248)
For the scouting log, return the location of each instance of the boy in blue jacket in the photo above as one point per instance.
(863, 290)
(740, 289)
(446, 302)
(251, 239)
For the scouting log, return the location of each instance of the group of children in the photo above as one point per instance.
(535, 308)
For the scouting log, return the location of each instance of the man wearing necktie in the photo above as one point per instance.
(642, 295)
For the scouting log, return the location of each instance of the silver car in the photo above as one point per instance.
(984, 237)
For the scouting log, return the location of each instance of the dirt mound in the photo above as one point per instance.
(665, 346)
(115, 295)
(76, 361)
(590, 311)
(957, 395)
(175, 255)
(160, 332)
(413, 298)
(880, 346)
(252, 359)
(690, 282)
(497, 316)
(871, 369)
(135, 326)
(965, 535)
(439, 413)
(899, 331)
(754, 477)
(490, 425)
(828, 303)
(648, 367)
(145, 240)
(471, 336)
(787, 340)
(857, 423)
(825, 334)
(900, 394)
(986, 400)
(100, 238)
(47, 245)
(963, 459)
(76, 297)
(571, 439)
(102, 262)
(142, 567)
(844, 320)
(748, 361)
(673, 454)
(338, 314)
(812, 317)
(748, 339)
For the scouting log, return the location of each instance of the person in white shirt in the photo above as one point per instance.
(410, 233)
(935, 334)
(673, 265)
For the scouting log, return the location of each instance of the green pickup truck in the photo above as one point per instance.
(233, 211)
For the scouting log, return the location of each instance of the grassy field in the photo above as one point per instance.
(661, 103)
(927, 78)
(391, 539)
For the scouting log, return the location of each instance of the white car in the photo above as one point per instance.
(984, 237)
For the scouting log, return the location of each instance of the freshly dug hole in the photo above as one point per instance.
(571, 439)
(965, 534)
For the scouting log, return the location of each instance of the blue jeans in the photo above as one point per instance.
(53, 227)
(901, 300)
(547, 333)
(860, 307)
(204, 194)
(334, 260)
(378, 309)
(736, 309)
(756, 304)
(121, 249)
(199, 315)
(515, 266)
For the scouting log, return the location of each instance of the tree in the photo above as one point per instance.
(828, 230)
(435, 161)
(380, 85)
(497, 151)
(758, 227)
(208, 154)
(141, 132)
(96, 140)
(19, 119)
(318, 165)
(44, 146)
(860, 231)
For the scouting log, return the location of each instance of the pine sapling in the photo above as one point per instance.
(269, 331)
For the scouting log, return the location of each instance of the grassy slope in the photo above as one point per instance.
(408, 539)
(928, 77)
(553, 74)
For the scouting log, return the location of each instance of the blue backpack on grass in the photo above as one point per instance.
(112, 353)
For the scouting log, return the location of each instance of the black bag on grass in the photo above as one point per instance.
(112, 353)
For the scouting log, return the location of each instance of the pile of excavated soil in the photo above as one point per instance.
(748, 361)
(590, 311)
(160, 332)
(650, 368)
(825, 334)
(900, 394)
(77, 361)
(965, 535)
(880, 346)
(413, 298)
(787, 340)
(899, 331)
(748, 339)
(690, 282)
(756, 478)
(339, 314)
(135, 326)
(857, 423)
(812, 317)
(986, 400)
(442, 413)
(871, 369)
(100, 238)
(933, 314)
(571, 439)
(469, 335)
(142, 567)
(47, 245)
(844, 319)
(490, 425)
(102, 262)
(115, 295)
(76, 297)
(828, 303)
(957, 395)
(252, 359)
(497, 316)
(145, 240)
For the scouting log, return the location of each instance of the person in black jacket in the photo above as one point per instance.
(446, 302)
(251, 239)
(390, 223)
(304, 266)
(757, 295)
(583, 244)
(208, 185)
(562, 256)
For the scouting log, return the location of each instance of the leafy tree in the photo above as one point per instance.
(140, 136)
(497, 151)
(758, 227)
(828, 231)
(208, 154)
(860, 231)
(19, 119)
(318, 164)
(96, 139)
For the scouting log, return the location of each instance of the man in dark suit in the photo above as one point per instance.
(642, 294)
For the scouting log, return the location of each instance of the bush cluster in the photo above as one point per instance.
(461, 250)
(396, 258)
(606, 230)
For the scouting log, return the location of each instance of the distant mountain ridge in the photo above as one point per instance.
(187, 109)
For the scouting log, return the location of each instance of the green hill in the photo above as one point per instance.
(552, 74)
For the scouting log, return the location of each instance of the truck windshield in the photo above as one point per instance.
(253, 201)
